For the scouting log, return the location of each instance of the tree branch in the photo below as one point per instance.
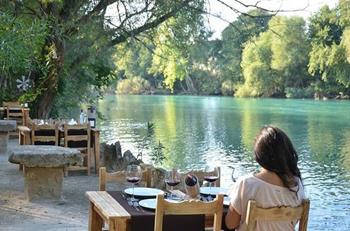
(147, 26)
(256, 5)
(102, 5)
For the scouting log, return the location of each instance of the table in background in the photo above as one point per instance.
(25, 139)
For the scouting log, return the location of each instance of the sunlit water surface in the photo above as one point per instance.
(199, 131)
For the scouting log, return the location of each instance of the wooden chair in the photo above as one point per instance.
(188, 208)
(44, 134)
(200, 175)
(284, 213)
(120, 176)
(14, 111)
(78, 137)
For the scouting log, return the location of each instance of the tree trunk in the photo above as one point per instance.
(45, 101)
(190, 85)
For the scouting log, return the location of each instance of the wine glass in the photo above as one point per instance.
(133, 176)
(211, 174)
(233, 175)
(172, 179)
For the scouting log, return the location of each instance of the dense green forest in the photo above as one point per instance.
(64, 53)
(259, 55)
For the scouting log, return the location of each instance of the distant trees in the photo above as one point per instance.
(234, 38)
(329, 62)
(259, 55)
(276, 59)
(72, 50)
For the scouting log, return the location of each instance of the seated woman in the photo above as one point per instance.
(278, 182)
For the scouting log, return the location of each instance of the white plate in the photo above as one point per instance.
(148, 203)
(143, 192)
(213, 190)
(151, 203)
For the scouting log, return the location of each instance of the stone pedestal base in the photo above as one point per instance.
(4, 137)
(43, 183)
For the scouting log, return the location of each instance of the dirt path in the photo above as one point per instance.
(18, 214)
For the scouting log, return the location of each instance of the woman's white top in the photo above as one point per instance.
(266, 195)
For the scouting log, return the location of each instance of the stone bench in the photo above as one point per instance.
(6, 126)
(44, 167)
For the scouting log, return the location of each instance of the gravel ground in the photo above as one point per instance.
(16, 213)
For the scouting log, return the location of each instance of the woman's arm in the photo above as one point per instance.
(232, 218)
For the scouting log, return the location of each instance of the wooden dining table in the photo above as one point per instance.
(25, 139)
(103, 208)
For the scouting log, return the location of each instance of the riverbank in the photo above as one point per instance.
(17, 214)
(179, 93)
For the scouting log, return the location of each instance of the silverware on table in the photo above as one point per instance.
(130, 203)
(136, 205)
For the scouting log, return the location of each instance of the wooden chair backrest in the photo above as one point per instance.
(283, 213)
(165, 207)
(120, 176)
(12, 104)
(45, 133)
(78, 136)
(14, 111)
(200, 175)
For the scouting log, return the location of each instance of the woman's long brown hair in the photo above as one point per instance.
(275, 152)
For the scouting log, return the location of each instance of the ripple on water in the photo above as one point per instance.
(219, 130)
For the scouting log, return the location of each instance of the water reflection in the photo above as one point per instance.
(220, 131)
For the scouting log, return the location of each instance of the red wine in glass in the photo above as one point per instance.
(211, 174)
(211, 179)
(133, 180)
(172, 179)
(172, 183)
(133, 175)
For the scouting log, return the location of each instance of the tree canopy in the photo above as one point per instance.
(77, 42)
(71, 52)
(329, 63)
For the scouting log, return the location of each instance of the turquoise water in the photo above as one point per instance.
(197, 130)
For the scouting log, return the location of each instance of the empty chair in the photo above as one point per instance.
(120, 177)
(14, 111)
(44, 134)
(284, 213)
(192, 207)
(78, 136)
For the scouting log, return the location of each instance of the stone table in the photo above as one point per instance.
(6, 126)
(44, 166)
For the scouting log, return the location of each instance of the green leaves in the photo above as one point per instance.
(20, 44)
(243, 29)
(276, 59)
(20, 49)
(329, 56)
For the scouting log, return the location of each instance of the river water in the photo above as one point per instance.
(197, 131)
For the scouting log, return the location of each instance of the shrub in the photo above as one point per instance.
(135, 85)
(294, 92)
(227, 88)
(246, 91)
